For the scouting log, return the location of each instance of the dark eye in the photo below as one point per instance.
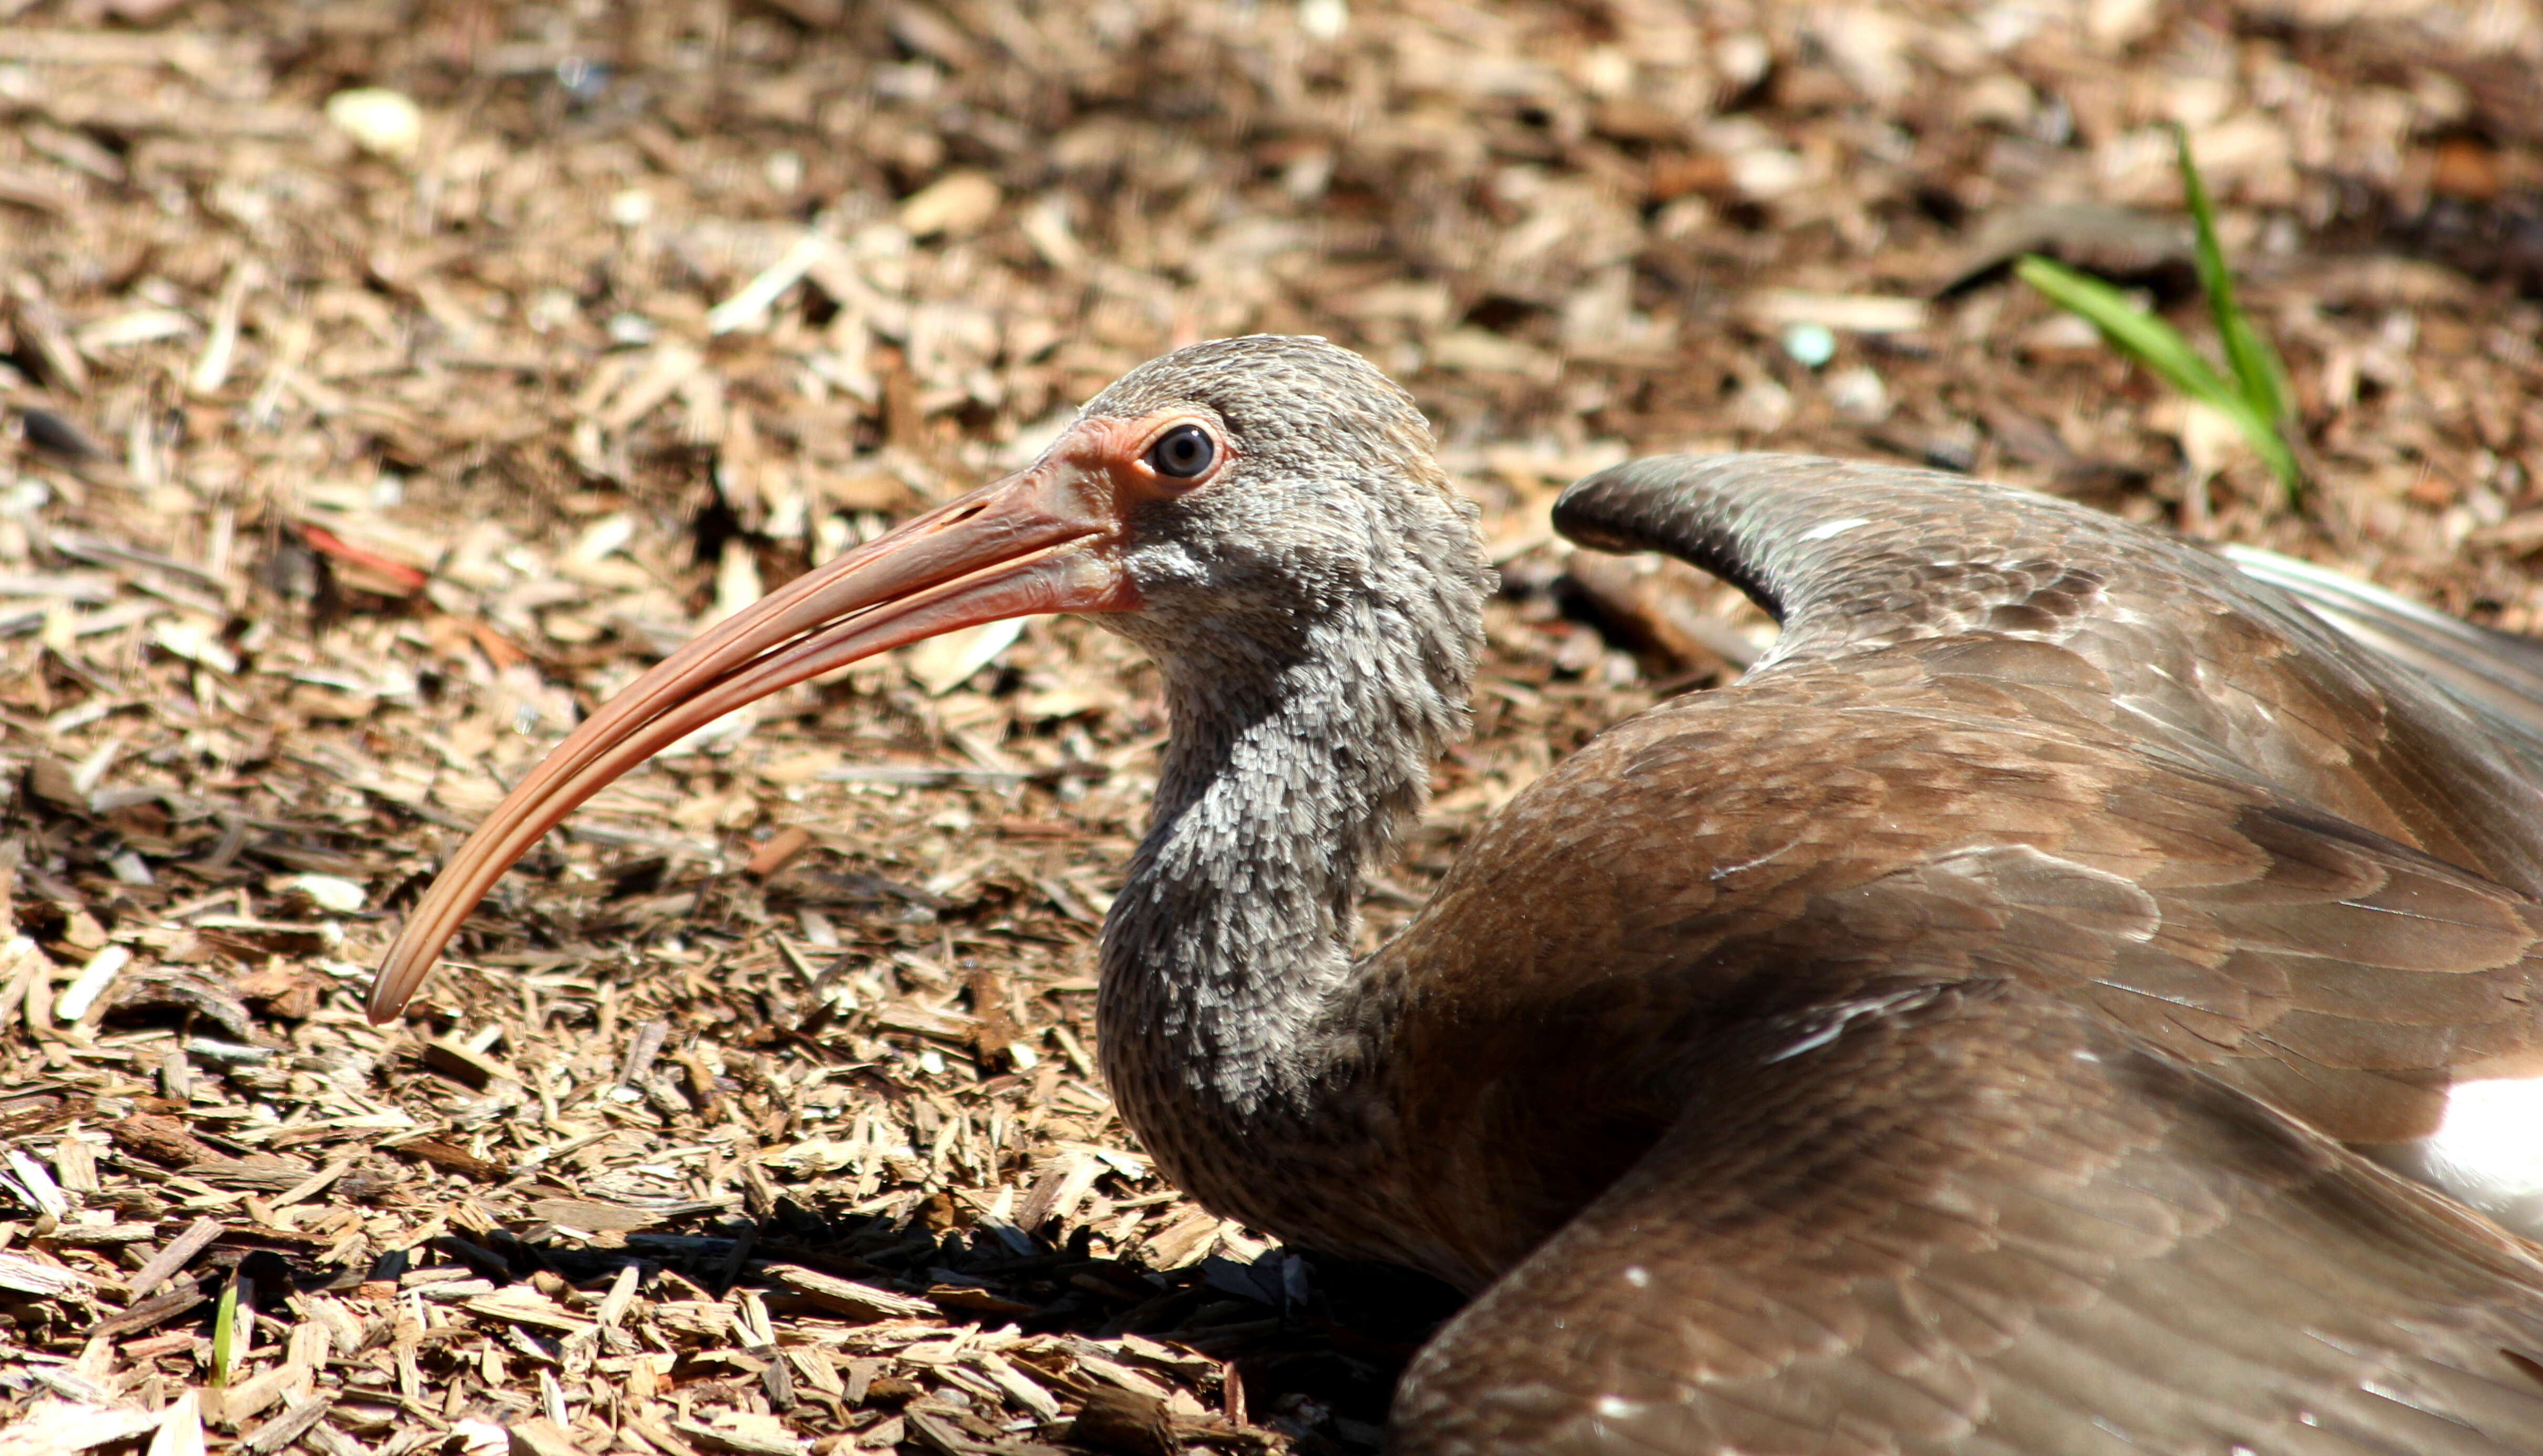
(1185, 452)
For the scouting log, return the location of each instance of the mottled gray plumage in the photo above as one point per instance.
(1317, 621)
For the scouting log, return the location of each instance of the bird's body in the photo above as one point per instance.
(1959, 1036)
(2000, 967)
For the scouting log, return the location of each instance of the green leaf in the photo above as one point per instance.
(225, 1333)
(2272, 446)
(2159, 347)
(2130, 330)
(2258, 374)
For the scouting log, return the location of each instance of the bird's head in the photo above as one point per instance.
(1219, 499)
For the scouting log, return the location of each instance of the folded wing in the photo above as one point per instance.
(2041, 1239)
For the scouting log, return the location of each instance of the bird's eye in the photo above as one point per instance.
(1185, 452)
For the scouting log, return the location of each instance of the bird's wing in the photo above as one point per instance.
(1773, 850)
(2190, 656)
(1979, 1220)
(2499, 675)
(2345, 979)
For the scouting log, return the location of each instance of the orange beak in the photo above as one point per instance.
(1045, 539)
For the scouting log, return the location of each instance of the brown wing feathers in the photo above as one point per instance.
(2496, 675)
(2040, 1238)
(2349, 858)
(2055, 898)
(2198, 658)
(2208, 916)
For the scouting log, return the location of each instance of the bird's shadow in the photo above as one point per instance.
(1302, 1344)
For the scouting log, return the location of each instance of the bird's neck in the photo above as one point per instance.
(1227, 1008)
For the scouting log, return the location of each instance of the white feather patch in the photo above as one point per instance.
(1825, 529)
(2489, 1151)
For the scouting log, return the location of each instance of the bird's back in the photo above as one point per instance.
(2184, 652)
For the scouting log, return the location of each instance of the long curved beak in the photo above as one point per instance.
(1045, 539)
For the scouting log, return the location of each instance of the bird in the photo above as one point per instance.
(2000, 1022)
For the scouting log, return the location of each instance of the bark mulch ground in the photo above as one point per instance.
(388, 383)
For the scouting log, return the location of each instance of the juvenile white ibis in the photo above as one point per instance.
(1959, 1035)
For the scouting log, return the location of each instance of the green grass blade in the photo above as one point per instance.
(2159, 347)
(225, 1333)
(2258, 374)
(2131, 330)
(2272, 446)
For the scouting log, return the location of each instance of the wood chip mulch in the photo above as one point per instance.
(386, 384)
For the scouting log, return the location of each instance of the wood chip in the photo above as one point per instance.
(743, 1434)
(937, 1432)
(102, 1235)
(54, 1427)
(316, 1182)
(526, 1307)
(847, 1296)
(287, 1428)
(181, 1430)
(1124, 1422)
(457, 1160)
(475, 1068)
(782, 849)
(157, 1309)
(658, 1435)
(592, 1217)
(1015, 1385)
(26, 1275)
(163, 1138)
(231, 1407)
(180, 1251)
(622, 1293)
(540, 1436)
